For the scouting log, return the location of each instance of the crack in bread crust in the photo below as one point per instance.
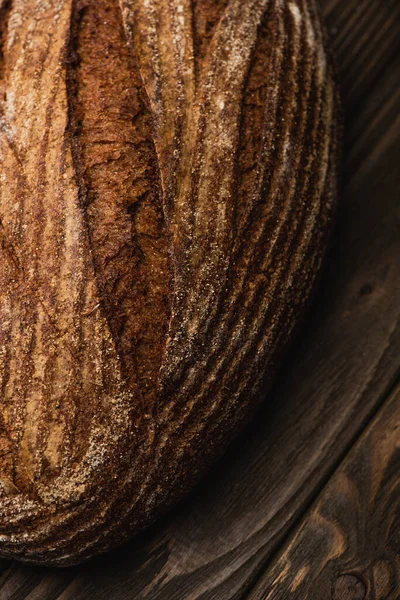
(117, 163)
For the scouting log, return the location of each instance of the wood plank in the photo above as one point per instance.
(29, 583)
(216, 542)
(348, 545)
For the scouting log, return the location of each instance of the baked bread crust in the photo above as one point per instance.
(168, 177)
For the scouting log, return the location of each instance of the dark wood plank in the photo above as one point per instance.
(214, 545)
(28, 582)
(348, 546)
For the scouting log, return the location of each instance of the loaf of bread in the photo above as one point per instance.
(168, 173)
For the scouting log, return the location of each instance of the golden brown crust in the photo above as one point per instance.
(116, 163)
(168, 172)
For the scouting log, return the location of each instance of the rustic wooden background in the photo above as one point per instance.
(306, 505)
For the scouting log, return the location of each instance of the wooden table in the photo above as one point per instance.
(306, 505)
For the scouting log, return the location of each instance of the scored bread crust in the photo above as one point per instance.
(168, 180)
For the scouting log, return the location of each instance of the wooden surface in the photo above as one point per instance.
(306, 504)
(349, 540)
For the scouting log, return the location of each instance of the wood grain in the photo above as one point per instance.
(216, 544)
(348, 546)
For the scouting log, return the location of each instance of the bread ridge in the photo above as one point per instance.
(159, 247)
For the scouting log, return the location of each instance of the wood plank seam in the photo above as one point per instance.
(347, 546)
(324, 482)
